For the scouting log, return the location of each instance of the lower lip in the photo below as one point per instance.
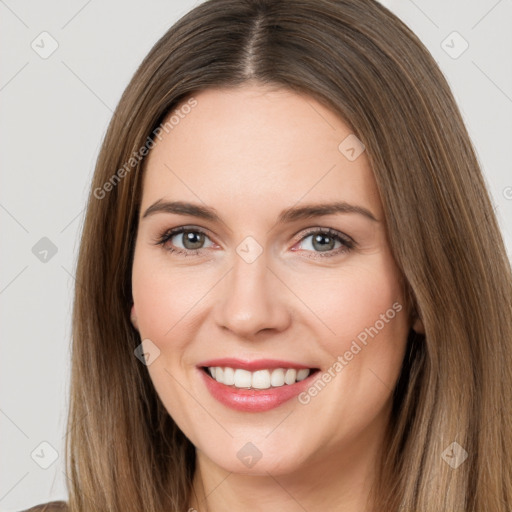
(254, 400)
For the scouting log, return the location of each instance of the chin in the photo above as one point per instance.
(258, 458)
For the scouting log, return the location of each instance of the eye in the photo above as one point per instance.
(191, 238)
(326, 242)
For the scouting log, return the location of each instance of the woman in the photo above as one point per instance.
(220, 360)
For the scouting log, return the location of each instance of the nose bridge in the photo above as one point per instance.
(250, 299)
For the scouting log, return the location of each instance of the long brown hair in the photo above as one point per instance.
(124, 452)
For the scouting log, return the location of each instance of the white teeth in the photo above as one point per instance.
(260, 379)
(302, 374)
(277, 377)
(242, 379)
(229, 376)
(290, 376)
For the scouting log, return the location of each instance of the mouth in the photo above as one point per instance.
(268, 385)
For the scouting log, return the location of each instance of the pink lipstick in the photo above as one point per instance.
(246, 395)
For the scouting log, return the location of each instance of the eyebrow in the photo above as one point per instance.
(288, 215)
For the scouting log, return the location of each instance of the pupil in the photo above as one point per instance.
(189, 238)
(323, 246)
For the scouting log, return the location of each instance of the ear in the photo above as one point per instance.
(133, 318)
(417, 325)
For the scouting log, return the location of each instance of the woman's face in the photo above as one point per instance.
(257, 285)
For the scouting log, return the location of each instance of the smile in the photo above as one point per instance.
(265, 387)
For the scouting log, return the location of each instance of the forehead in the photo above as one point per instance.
(241, 148)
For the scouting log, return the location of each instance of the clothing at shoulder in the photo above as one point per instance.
(51, 506)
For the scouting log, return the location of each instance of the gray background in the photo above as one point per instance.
(54, 113)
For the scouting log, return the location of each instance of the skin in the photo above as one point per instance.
(250, 152)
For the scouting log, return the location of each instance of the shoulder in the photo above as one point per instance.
(51, 506)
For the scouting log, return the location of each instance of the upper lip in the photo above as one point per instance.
(257, 364)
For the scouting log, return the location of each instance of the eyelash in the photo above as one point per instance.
(347, 243)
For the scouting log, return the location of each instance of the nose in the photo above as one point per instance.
(252, 299)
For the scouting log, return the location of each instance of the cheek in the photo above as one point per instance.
(361, 312)
(363, 348)
(152, 301)
(163, 296)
